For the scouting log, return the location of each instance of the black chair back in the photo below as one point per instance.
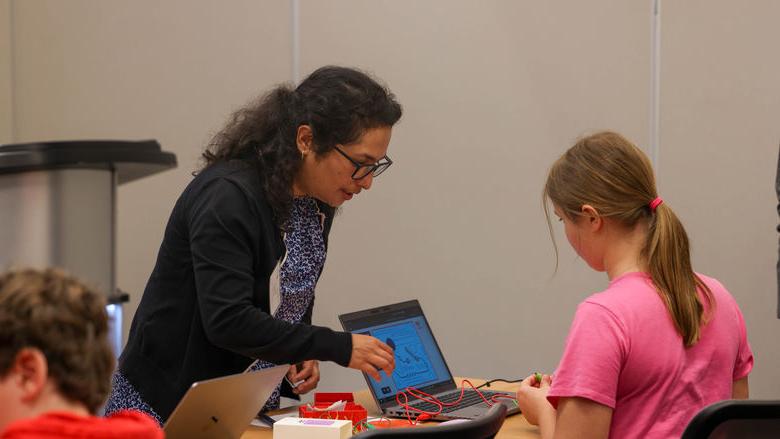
(483, 427)
(736, 419)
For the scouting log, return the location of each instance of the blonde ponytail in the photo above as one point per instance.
(669, 264)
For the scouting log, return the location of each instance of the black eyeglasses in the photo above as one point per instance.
(361, 170)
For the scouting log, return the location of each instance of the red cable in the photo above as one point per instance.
(406, 405)
(502, 395)
(419, 394)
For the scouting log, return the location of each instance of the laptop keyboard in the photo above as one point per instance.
(470, 397)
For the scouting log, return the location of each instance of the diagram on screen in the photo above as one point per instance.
(412, 367)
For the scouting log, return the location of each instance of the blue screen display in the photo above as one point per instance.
(418, 361)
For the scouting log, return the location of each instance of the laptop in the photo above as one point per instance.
(419, 363)
(223, 407)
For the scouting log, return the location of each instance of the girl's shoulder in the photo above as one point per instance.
(723, 297)
(629, 286)
(628, 295)
(712, 283)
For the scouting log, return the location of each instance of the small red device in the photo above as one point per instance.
(353, 412)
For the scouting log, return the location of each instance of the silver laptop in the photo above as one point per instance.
(419, 363)
(223, 407)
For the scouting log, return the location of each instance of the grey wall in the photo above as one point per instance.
(493, 92)
(720, 135)
(170, 70)
(6, 67)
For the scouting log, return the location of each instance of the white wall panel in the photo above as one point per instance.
(493, 92)
(6, 76)
(170, 70)
(719, 144)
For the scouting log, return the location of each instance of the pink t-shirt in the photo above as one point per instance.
(623, 352)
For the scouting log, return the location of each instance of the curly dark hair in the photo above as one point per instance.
(64, 319)
(338, 103)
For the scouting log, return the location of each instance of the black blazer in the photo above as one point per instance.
(205, 311)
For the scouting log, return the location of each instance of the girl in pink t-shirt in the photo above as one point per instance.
(661, 342)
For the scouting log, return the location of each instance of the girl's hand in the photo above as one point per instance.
(532, 399)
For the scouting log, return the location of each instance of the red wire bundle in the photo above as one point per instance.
(419, 394)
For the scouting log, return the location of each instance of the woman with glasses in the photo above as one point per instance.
(256, 218)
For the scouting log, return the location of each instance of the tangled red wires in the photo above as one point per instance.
(423, 414)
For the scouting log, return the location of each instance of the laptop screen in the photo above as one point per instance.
(418, 360)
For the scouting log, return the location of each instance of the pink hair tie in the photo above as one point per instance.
(655, 203)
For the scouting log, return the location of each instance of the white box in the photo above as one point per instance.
(312, 428)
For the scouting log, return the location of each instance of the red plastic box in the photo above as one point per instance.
(354, 412)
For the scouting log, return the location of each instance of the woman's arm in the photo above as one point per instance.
(740, 389)
(224, 234)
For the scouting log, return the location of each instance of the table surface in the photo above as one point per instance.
(515, 426)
